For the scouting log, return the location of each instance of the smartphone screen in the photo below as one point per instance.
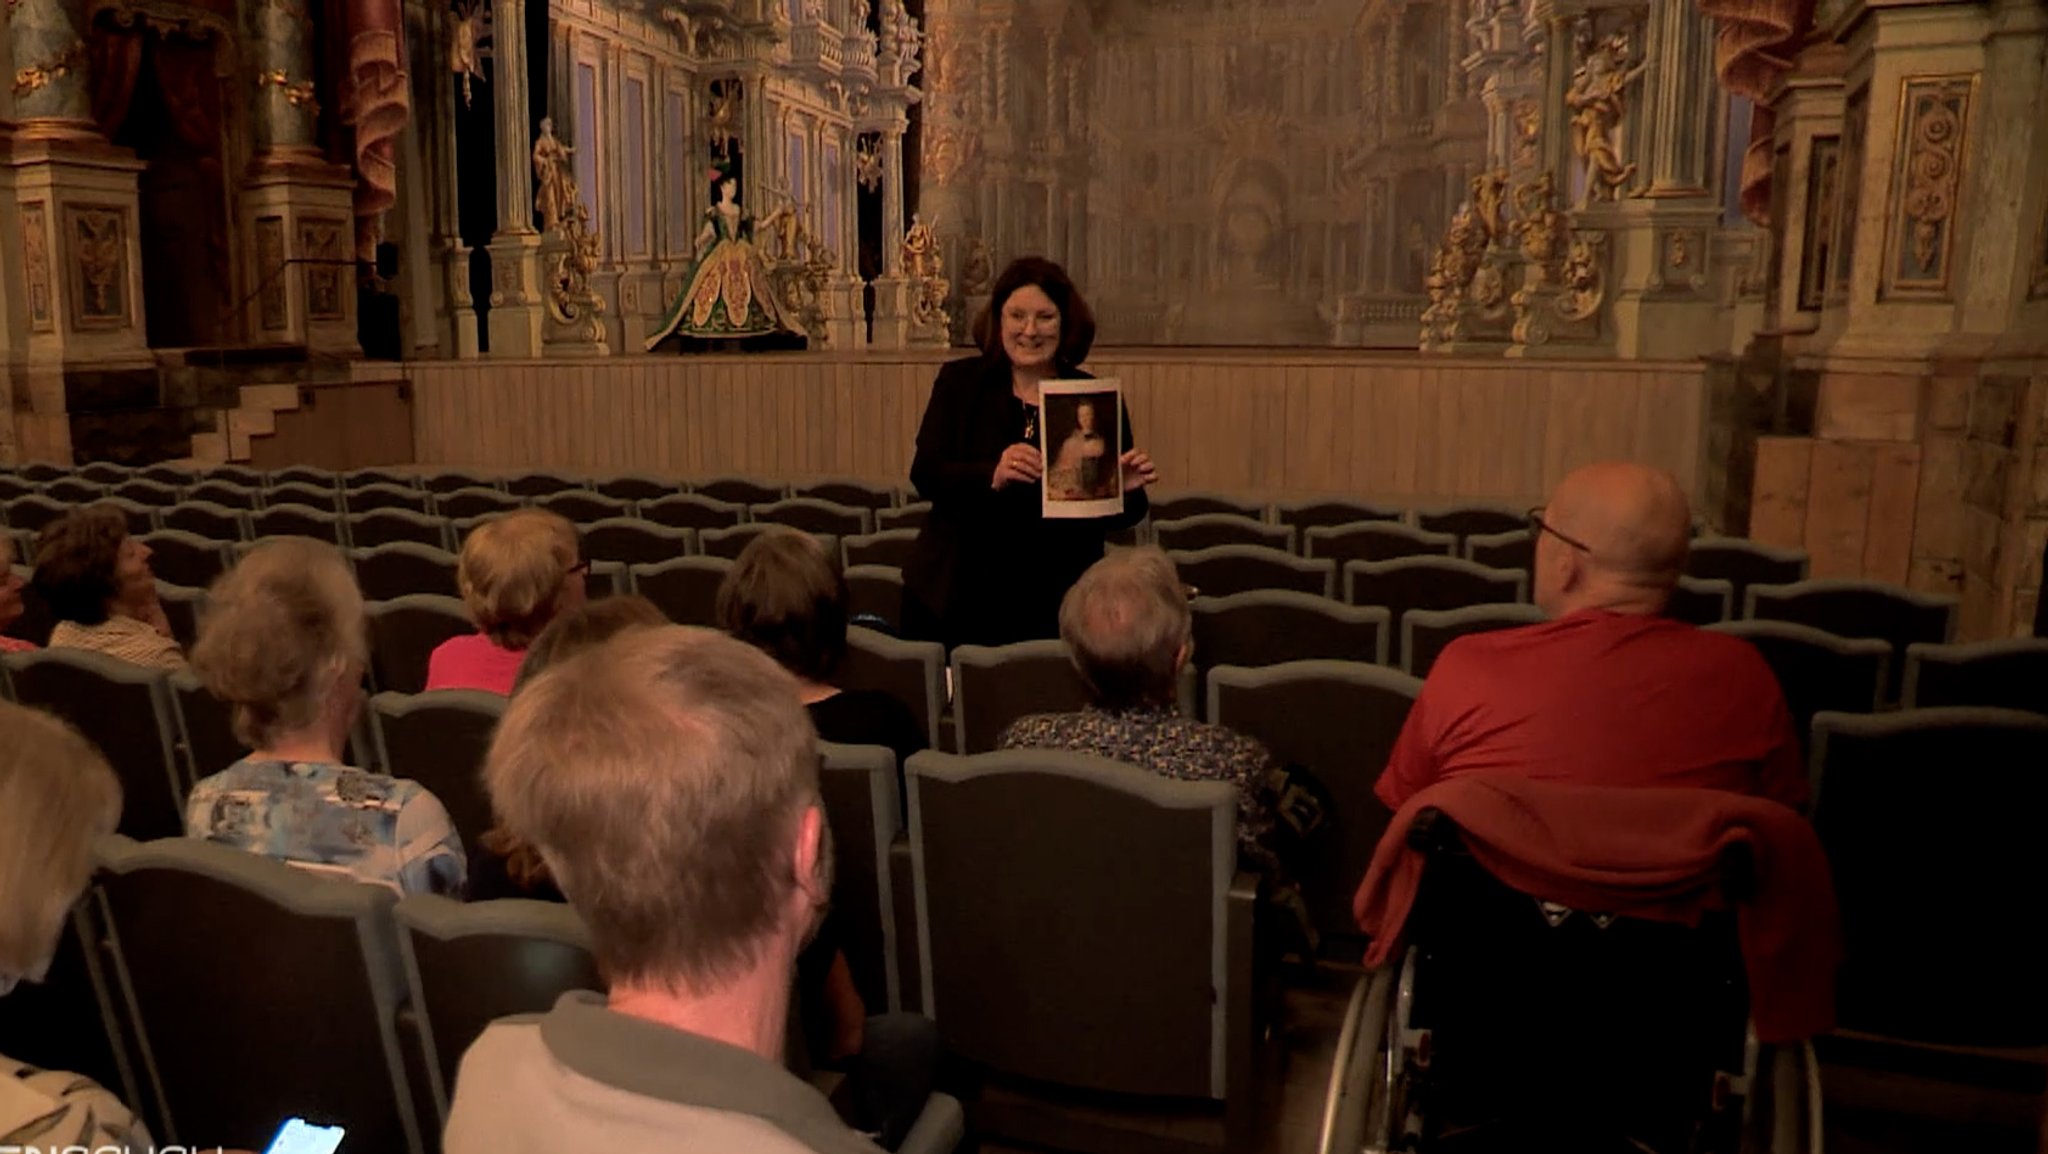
(298, 1136)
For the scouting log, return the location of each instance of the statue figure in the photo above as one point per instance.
(1451, 273)
(722, 122)
(1539, 226)
(554, 183)
(465, 43)
(925, 268)
(920, 249)
(1598, 103)
(1489, 195)
(978, 271)
(785, 233)
(728, 294)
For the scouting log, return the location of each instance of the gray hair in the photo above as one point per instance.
(56, 795)
(1127, 621)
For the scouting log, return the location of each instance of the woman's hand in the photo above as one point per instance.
(1139, 471)
(1020, 464)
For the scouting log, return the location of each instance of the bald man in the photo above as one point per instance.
(1608, 691)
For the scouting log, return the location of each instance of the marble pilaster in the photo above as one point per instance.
(517, 300)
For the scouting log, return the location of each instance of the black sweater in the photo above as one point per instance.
(988, 569)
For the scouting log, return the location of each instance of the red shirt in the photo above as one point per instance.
(474, 662)
(1599, 698)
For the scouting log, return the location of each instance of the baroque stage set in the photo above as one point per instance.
(1417, 249)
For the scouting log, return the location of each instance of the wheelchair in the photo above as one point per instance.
(1516, 1025)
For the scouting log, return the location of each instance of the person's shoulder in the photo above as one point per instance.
(1036, 730)
(1726, 653)
(64, 1109)
(962, 372)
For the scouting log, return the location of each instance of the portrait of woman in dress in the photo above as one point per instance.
(727, 295)
(989, 567)
(1084, 466)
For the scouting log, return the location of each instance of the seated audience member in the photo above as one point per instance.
(1609, 691)
(502, 866)
(1128, 624)
(56, 796)
(96, 580)
(786, 598)
(517, 572)
(11, 605)
(284, 644)
(670, 779)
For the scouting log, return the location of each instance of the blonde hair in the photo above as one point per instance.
(663, 776)
(513, 572)
(282, 631)
(1126, 621)
(56, 795)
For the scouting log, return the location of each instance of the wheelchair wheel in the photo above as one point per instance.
(1366, 1109)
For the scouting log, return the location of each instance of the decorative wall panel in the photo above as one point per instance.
(1927, 184)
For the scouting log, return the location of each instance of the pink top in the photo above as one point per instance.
(474, 662)
(16, 645)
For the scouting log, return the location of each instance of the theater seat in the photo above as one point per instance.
(1274, 626)
(1320, 512)
(403, 568)
(324, 497)
(391, 526)
(815, 516)
(261, 991)
(1227, 569)
(123, 709)
(2007, 674)
(634, 542)
(1425, 632)
(875, 592)
(404, 632)
(636, 487)
(1472, 519)
(373, 497)
(849, 491)
(468, 965)
(440, 739)
(1086, 942)
(1430, 583)
(910, 516)
(33, 511)
(1339, 720)
(229, 494)
(1174, 506)
(995, 685)
(303, 475)
(730, 543)
(1742, 563)
(1701, 601)
(862, 790)
(1935, 814)
(891, 547)
(1514, 549)
(297, 521)
(1851, 608)
(740, 490)
(143, 491)
(912, 672)
(1207, 530)
(583, 506)
(690, 511)
(206, 734)
(74, 491)
(183, 606)
(686, 589)
(208, 519)
(1818, 672)
(444, 481)
(474, 502)
(1376, 541)
(187, 559)
(541, 483)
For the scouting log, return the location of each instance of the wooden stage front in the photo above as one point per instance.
(1283, 422)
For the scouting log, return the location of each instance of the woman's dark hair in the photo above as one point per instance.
(785, 597)
(1077, 320)
(585, 627)
(76, 556)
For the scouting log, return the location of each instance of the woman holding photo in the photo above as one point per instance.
(989, 568)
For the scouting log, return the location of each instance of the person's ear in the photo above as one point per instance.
(808, 858)
(1186, 653)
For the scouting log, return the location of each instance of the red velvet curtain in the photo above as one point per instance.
(115, 56)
